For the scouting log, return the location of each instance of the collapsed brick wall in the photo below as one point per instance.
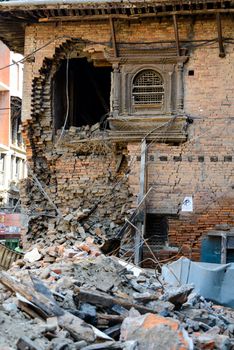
(201, 168)
(74, 174)
(86, 177)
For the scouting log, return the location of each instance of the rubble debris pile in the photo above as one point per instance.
(81, 299)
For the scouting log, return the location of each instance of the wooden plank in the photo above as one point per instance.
(113, 331)
(28, 310)
(113, 38)
(146, 299)
(220, 36)
(105, 300)
(48, 306)
(176, 31)
(110, 318)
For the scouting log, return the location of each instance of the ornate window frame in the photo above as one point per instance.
(148, 91)
(128, 72)
(170, 122)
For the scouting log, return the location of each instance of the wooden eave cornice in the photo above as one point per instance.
(15, 15)
(38, 11)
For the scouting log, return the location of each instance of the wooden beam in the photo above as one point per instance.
(47, 307)
(110, 318)
(106, 17)
(105, 300)
(141, 222)
(176, 31)
(113, 38)
(220, 37)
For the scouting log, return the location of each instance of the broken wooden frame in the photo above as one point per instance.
(36, 303)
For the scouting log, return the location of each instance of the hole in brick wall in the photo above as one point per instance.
(201, 159)
(227, 158)
(177, 158)
(163, 158)
(191, 72)
(89, 93)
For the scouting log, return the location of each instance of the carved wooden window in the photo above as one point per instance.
(148, 90)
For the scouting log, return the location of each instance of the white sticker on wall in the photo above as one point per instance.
(187, 204)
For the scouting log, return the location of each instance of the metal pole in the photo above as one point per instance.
(141, 219)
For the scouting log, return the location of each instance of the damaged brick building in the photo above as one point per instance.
(127, 103)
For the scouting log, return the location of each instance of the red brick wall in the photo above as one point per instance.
(202, 167)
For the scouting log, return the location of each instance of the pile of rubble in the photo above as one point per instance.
(82, 132)
(82, 299)
(73, 227)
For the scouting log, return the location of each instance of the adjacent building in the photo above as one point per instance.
(12, 149)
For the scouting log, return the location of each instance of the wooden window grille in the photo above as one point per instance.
(148, 89)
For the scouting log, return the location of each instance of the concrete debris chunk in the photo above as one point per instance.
(128, 345)
(77, 328)
(24, 343)
(32, 256)
(154, 332)
(213, 342)
(177, 296)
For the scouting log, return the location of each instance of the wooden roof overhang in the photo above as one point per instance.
(15, 15)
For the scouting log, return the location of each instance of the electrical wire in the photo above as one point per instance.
(202, 43)
(67, 101)
(34, 51)
(22, 60)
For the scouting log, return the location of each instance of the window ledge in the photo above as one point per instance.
(167, 128)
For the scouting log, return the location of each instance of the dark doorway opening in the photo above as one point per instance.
(156, 230)
(88, 89)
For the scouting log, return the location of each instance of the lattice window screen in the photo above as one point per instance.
(148, 89)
